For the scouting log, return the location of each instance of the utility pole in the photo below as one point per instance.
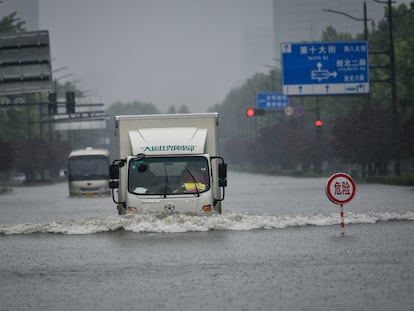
(395, 116)
(395, 119)
(365, 22)
(394, 107)
(365, 19)
(318, 131)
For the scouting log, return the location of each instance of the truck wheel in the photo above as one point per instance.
(121, 209)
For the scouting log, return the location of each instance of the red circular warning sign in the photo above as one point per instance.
(340, 188)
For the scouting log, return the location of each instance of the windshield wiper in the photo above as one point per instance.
(166, 181)
(194, 180)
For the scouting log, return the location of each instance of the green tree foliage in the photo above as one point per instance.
(356, 128)
(369, 142)
(7, 161)
(273, 141)
(171, 110)
(330, 34)
(9, 119)
(10, 123)
(132, 108)
(232, 110)
(120, 108)
(404, 54)
(363, 138)
(403, 25)
(23, 142)
(135, 107)
(286, 145)
(407, 140)
(183, 109)
(11, 23)
(13, 124)
(37, 156)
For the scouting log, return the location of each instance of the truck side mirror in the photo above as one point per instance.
(223, 182)
(114, 171)
(222, 170)
(113, 184)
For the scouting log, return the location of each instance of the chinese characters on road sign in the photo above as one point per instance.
(324, 68)
(340, 188)
(271, 101)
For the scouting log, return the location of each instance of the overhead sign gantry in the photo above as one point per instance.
(25, 65)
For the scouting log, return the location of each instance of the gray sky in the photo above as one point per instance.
(165, 52)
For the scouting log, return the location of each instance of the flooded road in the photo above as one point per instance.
(277, 246)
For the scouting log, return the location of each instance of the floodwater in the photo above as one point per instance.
(277, 246)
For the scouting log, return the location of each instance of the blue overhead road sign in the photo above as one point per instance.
(325, 68)
(271, 101)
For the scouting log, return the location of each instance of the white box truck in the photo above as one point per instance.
(168, 163)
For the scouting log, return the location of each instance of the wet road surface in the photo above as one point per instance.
(297, 267)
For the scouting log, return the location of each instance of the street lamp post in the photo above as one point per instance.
(394, 109)
(364, 19)
(395, 116)
(67, 75)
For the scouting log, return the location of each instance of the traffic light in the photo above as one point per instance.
(318, 123)
(70, 102)
(254, 112)
(52, 105)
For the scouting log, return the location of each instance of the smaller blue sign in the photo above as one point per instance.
(277, 101)
(299, 110)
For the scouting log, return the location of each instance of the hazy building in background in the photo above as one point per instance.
(299, 20)
(257, 50)
(27, 10)
(302, 20)
(254, 43)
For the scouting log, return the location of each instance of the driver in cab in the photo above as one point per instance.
(193, 178)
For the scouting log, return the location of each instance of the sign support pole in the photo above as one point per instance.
(340, 189)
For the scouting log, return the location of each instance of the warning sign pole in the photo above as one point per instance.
(342, 219)
(340, 189)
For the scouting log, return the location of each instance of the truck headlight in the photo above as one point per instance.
(207, 208)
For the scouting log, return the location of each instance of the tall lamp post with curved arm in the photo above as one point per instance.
(395, 116)
(364, 19)
(394, 110)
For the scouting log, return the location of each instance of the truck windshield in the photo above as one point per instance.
(169, 175)
(88, 168)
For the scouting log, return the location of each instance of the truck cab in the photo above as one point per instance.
(173, 168)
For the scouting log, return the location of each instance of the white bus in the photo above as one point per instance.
(88, 173)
